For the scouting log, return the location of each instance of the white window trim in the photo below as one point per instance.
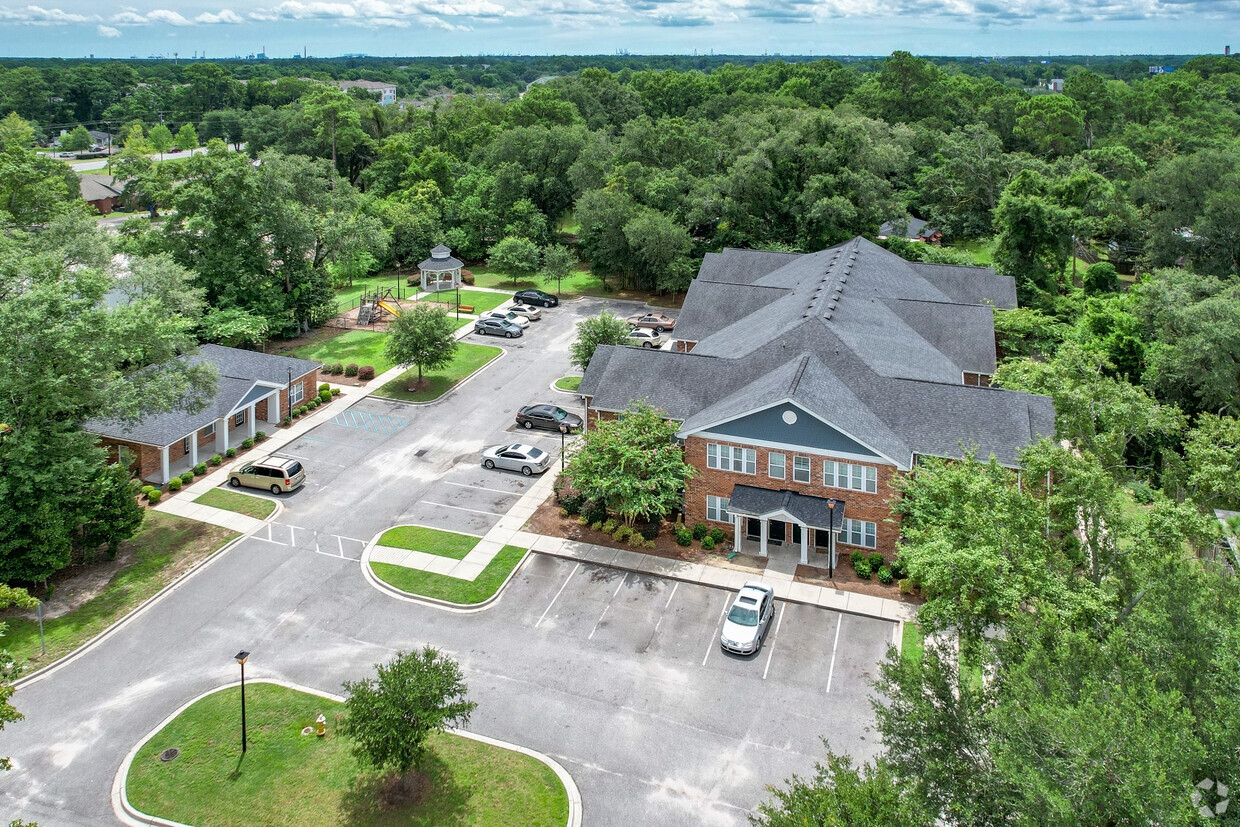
(747, 457)
(869, 474)
(866, 533)
(783, 465)
(720, 509)
(809, 470)
(209, 430)
(296, 393)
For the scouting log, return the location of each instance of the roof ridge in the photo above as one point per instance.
(796, 378)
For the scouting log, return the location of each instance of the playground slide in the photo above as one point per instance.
(393, 309)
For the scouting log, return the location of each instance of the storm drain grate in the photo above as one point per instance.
(169, 754)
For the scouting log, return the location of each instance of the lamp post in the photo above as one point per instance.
(831, 539)
(563, 431)
(241, 658)
(290, 392)
(458, 297)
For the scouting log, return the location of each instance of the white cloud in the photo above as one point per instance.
(108, 31)
(224, 16)
(170, 17)
(129, 18)
(39, 16)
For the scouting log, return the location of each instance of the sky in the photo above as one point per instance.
(328, 28)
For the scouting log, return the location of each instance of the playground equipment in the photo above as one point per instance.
(373, 306)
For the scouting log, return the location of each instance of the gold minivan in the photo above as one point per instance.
(276, 474)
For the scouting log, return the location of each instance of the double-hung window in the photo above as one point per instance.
(859, 533)
(717, 509)
(239, 419)
(731, 458)
(209, 430)
(775, 466)
(852, 477)
(800, 469)
(296, 393)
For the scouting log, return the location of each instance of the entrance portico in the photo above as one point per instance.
(773, 509)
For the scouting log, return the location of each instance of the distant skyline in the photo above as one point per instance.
(412, 28)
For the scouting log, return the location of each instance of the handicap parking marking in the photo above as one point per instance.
(374, 423)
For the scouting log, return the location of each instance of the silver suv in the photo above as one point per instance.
(277, 474)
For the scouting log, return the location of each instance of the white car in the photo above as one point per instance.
(749, 619)
(524, 458)
(528, 311)
(645, 337)
(507, 316)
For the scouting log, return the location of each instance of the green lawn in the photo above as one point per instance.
(346, 297)
(568, 383)
(580, 283)
(567, 223)
(164, 547)
(912, 642)
(480, 301)
(468, 358)
(256, 507)
(360, 347)
(429, 540)
(289, 778)
(452, 589)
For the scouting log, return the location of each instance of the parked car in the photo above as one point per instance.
(645, 337)
(498, 327)
(276, 474)
(536, 297)
(524, 458)
(655, 321)
(548, 417)
(519, 321)
(527, 311)
(749, 619)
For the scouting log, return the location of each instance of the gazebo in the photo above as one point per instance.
(441, 271)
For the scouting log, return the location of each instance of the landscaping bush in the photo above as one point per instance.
(216, 459)
(678, 526)
(313, 403)
(863, 570)
(335, 391)
(857, 557)
(563, 512)
(572, 504)
(146, 489)
(699, 531)
(366, 373)
(259, 436)
(595, 512)
(884, 575)
(286, 421)
(906, 586)
(650, 530)
(174, 484)
(582, 521)
(325, 396)
(596, 526)
(154, 496)
(636, 540)
(336, 369)
(247, 443)
(898, 570)
(609, 526)
(684, 537)
(187, 478)
(717, 535)
(200, 469)
(230, 453)
(324, 387)
(876, 561)
(350, 370)
(300, 410)
(622, 533)
(708, 542)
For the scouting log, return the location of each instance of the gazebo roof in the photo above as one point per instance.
(438, 265)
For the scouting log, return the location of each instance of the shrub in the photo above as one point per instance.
(313, 403)
(200, 469)
(300, 410)
(335, 391)
(563, 512)
(595, 512)
(1141, 492)
(898, 570)
(146, 489)
(684, 537)
(857, 557)
(650, 530)
(884, 575)
(286, 421)
(863, 570)
(154, 496)
(174, 484)
(187, 478)
(336, 369)
(636, 540)
(622, 533)
(259, 436)
(596, 526)
(324, 387)
(708, 542)
(906, 586)
(572, 504)
(582, 521)
(366, 373)
(230, 453)
(876, 561)
(609, 526)
(699, 531)
(717, 535)
(216, 459)
(679, 526)
(248, 442)
(350, 370)
(325, 396)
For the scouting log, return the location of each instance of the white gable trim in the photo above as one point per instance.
(705, 430)
(272, 387)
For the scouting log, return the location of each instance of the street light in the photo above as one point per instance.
(241, 658)
(458, 297)
(563, 431)
(290, 393)
(831, 539)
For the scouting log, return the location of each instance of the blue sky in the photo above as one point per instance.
(72, 28)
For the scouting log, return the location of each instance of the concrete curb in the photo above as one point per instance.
(502, 353)
(126, 813)
(561, 390)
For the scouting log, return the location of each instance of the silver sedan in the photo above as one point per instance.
(524, 458)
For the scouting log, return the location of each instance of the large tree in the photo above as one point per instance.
(604, 329)
(516, 256)
(423, 337)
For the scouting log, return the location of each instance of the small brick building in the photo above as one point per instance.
(804, 386)
(253, 393)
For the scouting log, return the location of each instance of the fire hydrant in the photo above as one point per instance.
(321, 721)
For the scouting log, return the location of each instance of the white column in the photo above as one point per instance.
(762, 546)
(249, 419)
(805, 530)
(273, 409)
(193, 450)
(221, 436)
(738, 524)
(163, 465)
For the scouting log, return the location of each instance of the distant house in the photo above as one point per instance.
(1055, 85)
(911, 228)
(387, 91)
(103, 192)
(253, 388)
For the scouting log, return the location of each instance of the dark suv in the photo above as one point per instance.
(535, 297)
(547, 417)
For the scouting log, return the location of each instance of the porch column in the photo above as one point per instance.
(163, 465)
(221, 436)
(249, 419)
(273, 409)
(762, 547)
(738, 523)
(193, 449)
(805, 530)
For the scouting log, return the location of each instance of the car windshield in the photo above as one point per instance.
(743, 615)
(559, 413)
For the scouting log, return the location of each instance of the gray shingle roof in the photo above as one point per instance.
(99, 187)
(854, 335)
(969, 285)
(815, 512)
(436, 265)
(741, 266)
(240, 372)
(907, 227)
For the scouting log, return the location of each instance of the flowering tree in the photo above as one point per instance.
(632, 464)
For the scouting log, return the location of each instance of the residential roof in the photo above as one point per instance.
(435, 265)
(99, 187)
(816, 512)
(244, 377)
(854, 335)
(908, 227)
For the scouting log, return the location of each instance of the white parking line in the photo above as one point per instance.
(778, 623)
(618, 585)
(483, 488)
(557, 594)
(675, 586)
(597, 622)
(831, 673)
(459, 508)
(714, 641)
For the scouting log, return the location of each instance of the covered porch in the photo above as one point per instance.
(217, 436)
(767, 517)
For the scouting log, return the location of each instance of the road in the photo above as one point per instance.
(616, 675)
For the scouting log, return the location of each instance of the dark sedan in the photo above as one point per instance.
(497, 327)
(547, 417)
(537, 297)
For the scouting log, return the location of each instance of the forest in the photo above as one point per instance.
(1082, 654)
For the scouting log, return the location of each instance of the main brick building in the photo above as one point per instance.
(804, 385)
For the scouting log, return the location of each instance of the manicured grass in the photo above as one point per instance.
(164, 547)
(429, 540)
(568, 383)
(480, 301)
(912, 642)
(452, 589)
(580, 283)
(468, 358)
(256, 507)
(983, 251)
(289, 778)
(360, 347)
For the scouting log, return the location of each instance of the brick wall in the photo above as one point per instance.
(860, 505)
(144, 458)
